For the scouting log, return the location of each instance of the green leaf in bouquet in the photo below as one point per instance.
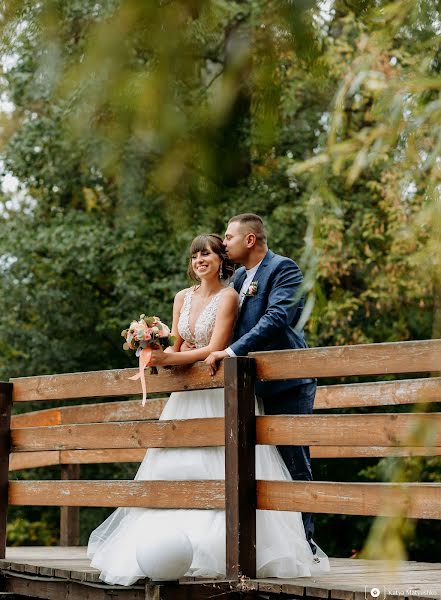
(150, 321)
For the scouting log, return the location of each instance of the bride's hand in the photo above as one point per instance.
(213, 358)
(159, 358)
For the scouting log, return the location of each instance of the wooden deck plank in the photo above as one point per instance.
(347, 578)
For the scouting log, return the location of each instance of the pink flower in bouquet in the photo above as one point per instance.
(147, 332)
(143, 336)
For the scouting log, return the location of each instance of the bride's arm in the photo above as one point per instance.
(223, 327)
(177, 305)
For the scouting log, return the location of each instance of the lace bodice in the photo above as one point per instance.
(204, 323)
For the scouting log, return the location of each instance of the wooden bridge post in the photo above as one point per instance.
(5, 444)
(70, 515)
(240, 467)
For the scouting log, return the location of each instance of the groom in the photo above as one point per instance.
(267, 285)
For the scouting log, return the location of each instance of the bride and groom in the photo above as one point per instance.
(212, 321)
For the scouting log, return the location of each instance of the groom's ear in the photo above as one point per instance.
(251, 240)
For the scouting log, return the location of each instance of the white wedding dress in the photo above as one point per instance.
(281, 546)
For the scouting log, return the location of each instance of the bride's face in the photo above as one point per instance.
(206, 263)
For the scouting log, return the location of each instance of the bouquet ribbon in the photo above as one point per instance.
(144, 359)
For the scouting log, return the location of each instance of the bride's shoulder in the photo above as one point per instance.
(180, 296)
(183, 293)
(229, 294)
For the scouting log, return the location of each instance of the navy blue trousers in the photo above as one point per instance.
(298, 400)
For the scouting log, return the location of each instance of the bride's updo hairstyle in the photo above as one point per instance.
(215, 244)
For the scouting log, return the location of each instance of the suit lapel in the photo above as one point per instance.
(238, 281)
(265, 262)
(259, 273)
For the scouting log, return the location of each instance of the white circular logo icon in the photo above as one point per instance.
(375, 592)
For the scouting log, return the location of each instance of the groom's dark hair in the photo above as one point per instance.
(253, 223)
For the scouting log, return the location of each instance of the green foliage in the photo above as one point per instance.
(21, 532)
(137, 125)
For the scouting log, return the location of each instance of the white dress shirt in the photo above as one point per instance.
(250, 273)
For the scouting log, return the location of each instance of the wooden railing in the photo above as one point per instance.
(119, 431)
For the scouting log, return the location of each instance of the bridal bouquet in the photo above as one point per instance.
(144, 336)
(147, 332)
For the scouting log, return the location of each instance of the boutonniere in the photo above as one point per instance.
(252, 290)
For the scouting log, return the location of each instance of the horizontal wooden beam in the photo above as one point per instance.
(337, 361)
(133, 434)
(31, 460)
(27, 460)
(400, 429)
(413, 500)
(104, 412)
(379, 393)
(113, 383)
(372, 451)
(366, 359)
(146, 494)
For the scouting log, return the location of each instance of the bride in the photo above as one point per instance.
(203, 317)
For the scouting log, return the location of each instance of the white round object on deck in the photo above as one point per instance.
(164, 554)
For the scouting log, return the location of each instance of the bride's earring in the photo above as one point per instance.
(220, 272)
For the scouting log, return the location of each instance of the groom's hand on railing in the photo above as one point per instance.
(213, 359)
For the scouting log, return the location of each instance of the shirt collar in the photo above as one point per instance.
(253, 269)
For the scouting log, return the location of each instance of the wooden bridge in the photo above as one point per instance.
(121, 431)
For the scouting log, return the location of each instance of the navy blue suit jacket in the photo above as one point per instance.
(267, 319)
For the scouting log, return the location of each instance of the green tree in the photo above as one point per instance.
(137, 125)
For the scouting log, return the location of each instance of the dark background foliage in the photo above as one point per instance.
(136, 126)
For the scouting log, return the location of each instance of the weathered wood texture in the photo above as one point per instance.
(150, 494)
(398, 429)
(350, 579)
(406, 391)
(240, 469)
(26, 460)
(59, 589)
(401, 429)
(113, 383)
(364, 359)
(156, 434)
(367, 359)
(379, 393)
(414, 500)
(346, 580)
(70, 515)
(105, 412)
(5, 424)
